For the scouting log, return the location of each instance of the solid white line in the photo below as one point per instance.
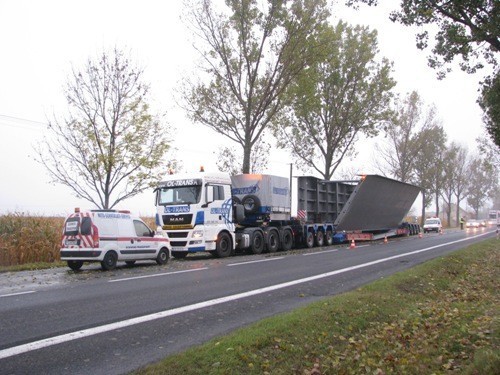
(254, 261)
(17, 294)
(157, 274)
(321, 252)
(16, 350)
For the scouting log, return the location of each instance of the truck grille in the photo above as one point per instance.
(172, 220)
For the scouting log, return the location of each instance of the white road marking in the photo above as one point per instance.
(321, 252)
(17, 294)
(24, 348)
(254, 261)
(157, 274)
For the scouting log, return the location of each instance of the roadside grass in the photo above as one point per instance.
(437, 318)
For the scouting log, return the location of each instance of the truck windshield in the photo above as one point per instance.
(169, 196)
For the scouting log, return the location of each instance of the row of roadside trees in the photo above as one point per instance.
(275, 68)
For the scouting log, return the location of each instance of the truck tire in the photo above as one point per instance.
(75, 265)
(162, 257)
(329, 237)
(223, 246)
(309, 239)
(109, 261)
(273, 241)
(251, 204)
(257, 242)
(287, 240)
(179, 254)
(320, 238)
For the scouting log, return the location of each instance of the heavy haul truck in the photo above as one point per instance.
(224, 214)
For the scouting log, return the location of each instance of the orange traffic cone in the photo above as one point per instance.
(441, 231)
(353, 245)
(419, 234)
(385, 239)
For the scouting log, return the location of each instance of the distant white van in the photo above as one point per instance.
(433, 225)
(109, 236)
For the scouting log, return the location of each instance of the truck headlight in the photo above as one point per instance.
(197, 234)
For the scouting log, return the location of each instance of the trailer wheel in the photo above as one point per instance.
(273, 241)
(223, 247)
(257, 242)
(287, 241)
(75, 265)
(329, 237)
(251, 204)
(309, 239)
(320, 238)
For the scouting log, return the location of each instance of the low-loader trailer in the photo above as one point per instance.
(222, 214)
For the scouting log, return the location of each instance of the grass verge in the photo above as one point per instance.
(440, 317)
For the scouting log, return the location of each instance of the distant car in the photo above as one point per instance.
(483, 223)
(472, 224)
(433, 225)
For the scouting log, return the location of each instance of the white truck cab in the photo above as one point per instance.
(109, 236)
(196, 211)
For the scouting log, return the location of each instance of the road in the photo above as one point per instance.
(62, 322)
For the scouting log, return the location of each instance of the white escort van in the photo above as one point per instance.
(109, 236)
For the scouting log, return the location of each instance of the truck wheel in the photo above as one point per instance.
(109, 261)
(329, 237)
(179, 254)
(251, 204)
(320, 238)
(287, 242)
(162, 257)
(257, 242)
(223, 246)
(75, 265)
(273, 241)
(309, 239)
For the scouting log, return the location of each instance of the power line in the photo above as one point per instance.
(18, 122)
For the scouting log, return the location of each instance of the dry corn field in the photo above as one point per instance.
(32, 239)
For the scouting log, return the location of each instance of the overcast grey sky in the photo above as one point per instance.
(40, 40)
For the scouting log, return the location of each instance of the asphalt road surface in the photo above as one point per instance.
(93, 322)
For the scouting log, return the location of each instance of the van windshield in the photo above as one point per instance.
(169, 196)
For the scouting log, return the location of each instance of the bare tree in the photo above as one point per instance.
(110, 147)
(428, 140)
(449, 177)
(398, 154)
(480, 184)
(253, 51)
(461, 180)
(343, 94)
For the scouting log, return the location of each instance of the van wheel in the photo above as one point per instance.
(162, 257)
(273, 241)
(75, 265)
(130, 263)
(109, 261)
(223, 246)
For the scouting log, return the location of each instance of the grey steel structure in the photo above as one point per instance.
(372, 204)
